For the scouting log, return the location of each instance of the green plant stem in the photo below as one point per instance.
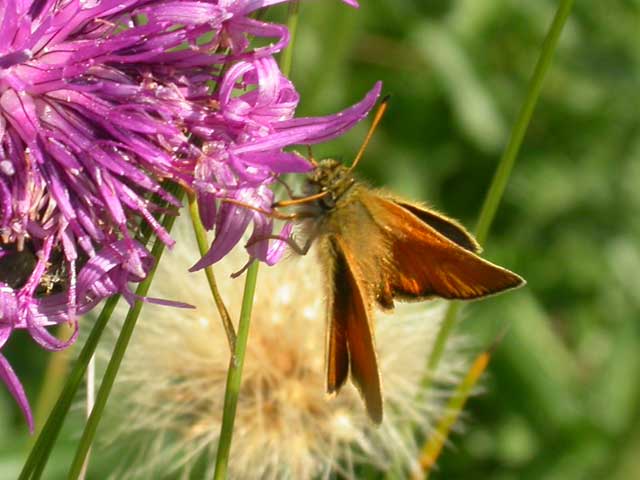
(55, 374)
(117, 356)
(443, 335)
(435, 443)
(41, 450)
(203, 246)
(236, 362)
(234, 374)
(505, 166)
(501, 177)
(90, 401)
(286, 59)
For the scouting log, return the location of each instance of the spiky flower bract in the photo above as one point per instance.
(171, 386)
(100, 102)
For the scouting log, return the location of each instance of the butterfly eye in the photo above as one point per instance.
(329, 201)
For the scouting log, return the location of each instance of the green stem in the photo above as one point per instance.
(117, 356)
(54, 377)
(203, 247)
(39, 454)
(503, 172)
(236, 362)
(493, 197)
(435, 443)
(286, 60)
(234, 374)
(441, 340)
(37, 459)
(90, 401)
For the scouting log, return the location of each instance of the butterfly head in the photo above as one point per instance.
(332, 177)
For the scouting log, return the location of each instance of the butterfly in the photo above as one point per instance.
(377, 248)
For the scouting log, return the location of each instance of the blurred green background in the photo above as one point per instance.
(561, 398)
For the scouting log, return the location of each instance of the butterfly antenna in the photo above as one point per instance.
(382, 108)
(268, 213)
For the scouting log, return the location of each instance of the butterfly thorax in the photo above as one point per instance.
(332, 177)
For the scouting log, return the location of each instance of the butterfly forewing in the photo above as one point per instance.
(350, 337)
(427, 263)
(445, 226)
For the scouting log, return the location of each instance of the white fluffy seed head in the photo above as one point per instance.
(170, 390)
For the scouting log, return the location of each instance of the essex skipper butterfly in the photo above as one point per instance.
(377, 248)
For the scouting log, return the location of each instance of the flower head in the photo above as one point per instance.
(286, 426)
(100, 102)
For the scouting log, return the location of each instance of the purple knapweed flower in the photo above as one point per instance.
(103, 100)
(86, 133)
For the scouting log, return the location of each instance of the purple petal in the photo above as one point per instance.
(207, 209)
(245, 7)
(228, 233)
(278, 248)
(314, 130)
(47, 341)
(279, 162)
(8, 376)
(186, 13)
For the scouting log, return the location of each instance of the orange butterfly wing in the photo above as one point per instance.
(445, 226)
(434, 257)
(350, 338)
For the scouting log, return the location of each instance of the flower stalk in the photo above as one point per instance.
(41, 450)
(118, 354)
(436, 441)
(505, 166)
(57, 369)
(293, 15)
(203, 246)
(234, 374)
(236, 362)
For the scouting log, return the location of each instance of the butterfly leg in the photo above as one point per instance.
(290, 194)
(295, 246)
